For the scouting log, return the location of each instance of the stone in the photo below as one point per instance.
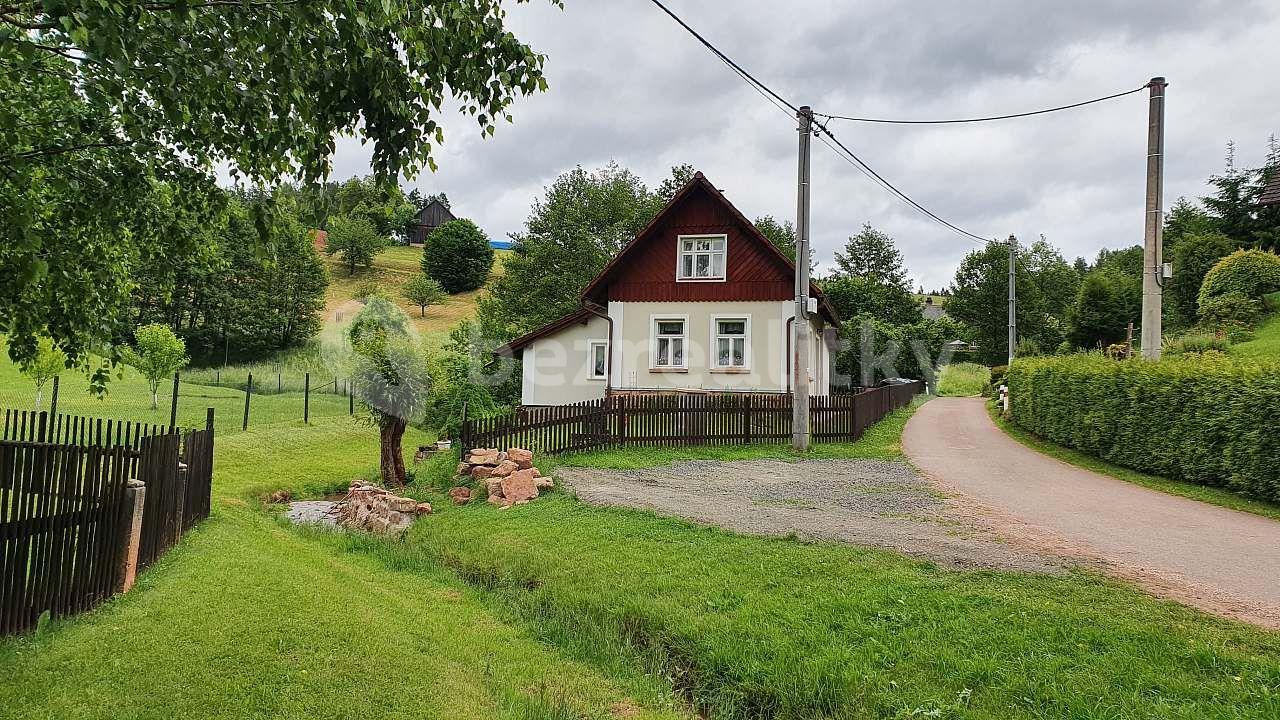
(422, 508)
(463, 469)
(505, 468)
(519, 486)
(481, 472)
(521, 457)
(493, 486)
(402, 504)
(543, 483)
(536, 472)
(279, 497)
(483, 456)
(499, 501)
(460, 495)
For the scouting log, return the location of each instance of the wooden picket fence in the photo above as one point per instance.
(66, 508)
(675, 420)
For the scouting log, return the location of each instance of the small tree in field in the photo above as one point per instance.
(423, 290)
(356, 239)
(157, 355)
(458, 255)
(45, 366)
(391, 382)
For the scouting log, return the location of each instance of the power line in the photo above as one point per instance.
(982, 119)
(848, 154)
(857, 162)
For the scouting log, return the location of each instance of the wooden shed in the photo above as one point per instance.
(428, 219)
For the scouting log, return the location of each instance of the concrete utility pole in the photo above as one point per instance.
(1013, 296)
(800, 346)
(1153, 260)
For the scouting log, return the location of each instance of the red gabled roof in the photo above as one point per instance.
(597, 290)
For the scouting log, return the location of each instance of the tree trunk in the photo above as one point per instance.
(390, 433)
(155, 401)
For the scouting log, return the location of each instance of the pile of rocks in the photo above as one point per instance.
(508, 477)
(374, 509)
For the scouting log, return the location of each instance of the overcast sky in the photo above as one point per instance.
(628, 84)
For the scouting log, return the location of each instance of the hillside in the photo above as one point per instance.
(391, 269)
(1266, 341)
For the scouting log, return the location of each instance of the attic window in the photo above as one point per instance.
(702, 257)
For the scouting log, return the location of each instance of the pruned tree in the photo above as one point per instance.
(157, 354)
(458, 256)
(392, 383)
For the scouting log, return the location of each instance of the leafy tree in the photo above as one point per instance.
(1183, 219)
(421, 202)
(379, 316)
(1056, 280)
(582, 220)
(1106, 303)
(109, 98)
(980, 298)
(667, 189)
(874, 349)
(1233, 204)
(458, 389)
(356, 239)
(45, 366)
(459, 256)
(854, 296)
(423, 290)
(1128, 262)
(1193, 255)
(392, 384)
(871, 254)
(781, 234)
(157, 354)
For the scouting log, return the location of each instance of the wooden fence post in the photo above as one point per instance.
(53, 398)
(306, 398)
(248, 390)
(173, 405)
(351, 397)
(130, 535)
(208, 419)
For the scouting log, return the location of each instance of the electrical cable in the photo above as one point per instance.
(990, 118)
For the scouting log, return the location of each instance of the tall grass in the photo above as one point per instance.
(963, 379)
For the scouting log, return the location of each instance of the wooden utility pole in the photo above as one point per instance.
(800, 347)
(1153, 262)
(1013, 296)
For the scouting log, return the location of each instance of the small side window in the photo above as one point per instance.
(598, 357)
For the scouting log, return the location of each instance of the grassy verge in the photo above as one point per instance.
(963, 379)
(247, 618)
(1211, 495)
(754, 628)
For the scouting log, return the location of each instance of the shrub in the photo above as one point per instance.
(1202, 418)
(158, 355)
(1196, 343)
(356, 239)
(423, 290)
(1193, 256)
(458, 255)
(1252, 273)
(368, 289)
(1232, 308)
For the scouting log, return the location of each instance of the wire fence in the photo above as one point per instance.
(242, 400)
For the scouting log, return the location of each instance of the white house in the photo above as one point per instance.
(699, 301)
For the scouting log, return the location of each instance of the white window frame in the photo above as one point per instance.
(745, 319)
(591, 359)
(654, 337)
(681, 252)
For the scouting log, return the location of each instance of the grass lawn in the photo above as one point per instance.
(1265, 343)
(557, 610)
(963, 379)
(1211, 495)
(248, 618)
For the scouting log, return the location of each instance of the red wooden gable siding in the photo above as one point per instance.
(752, 272)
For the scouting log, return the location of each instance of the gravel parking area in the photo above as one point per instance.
(866, 502)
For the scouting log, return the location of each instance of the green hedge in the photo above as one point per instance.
(1206, 419)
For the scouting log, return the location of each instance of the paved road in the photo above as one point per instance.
(1220, 560)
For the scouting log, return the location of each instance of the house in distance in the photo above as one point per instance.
(698, 301)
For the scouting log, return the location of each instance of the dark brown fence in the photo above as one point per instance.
(681, 419)
(67, 507)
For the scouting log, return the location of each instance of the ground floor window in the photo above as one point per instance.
(730, 342)
(598, 357)
(669, 343)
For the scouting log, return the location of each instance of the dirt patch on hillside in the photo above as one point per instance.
(866, 502)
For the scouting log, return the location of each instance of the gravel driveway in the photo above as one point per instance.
(866, 502)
